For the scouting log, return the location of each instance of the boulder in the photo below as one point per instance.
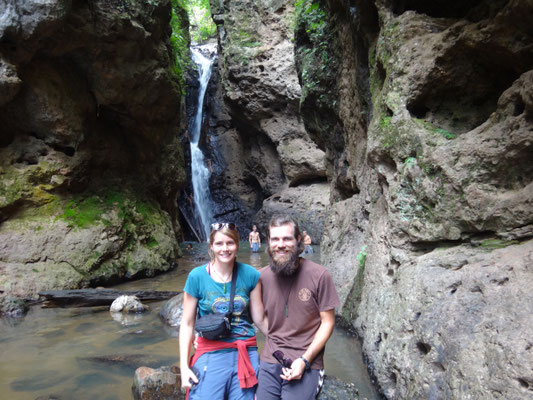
(127, 304)
(157, 384)
(172, 311)
(306, 203)
(11, 306)
(335, 389)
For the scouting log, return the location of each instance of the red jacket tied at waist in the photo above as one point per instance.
(245, 371)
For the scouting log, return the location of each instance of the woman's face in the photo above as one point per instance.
(224, 248)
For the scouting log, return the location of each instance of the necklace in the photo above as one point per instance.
(224, 280)
(287, 298)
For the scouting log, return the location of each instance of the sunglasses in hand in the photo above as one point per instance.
(280, 357)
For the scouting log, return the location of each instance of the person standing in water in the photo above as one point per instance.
(255, 240)
(226, 368)
(307, 243)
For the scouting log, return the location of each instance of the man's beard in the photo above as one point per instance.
(286, 265)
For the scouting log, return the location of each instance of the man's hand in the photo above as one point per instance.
(296, 370)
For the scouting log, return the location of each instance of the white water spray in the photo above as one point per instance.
(199, 172)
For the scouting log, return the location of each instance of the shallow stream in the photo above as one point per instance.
(83, 353)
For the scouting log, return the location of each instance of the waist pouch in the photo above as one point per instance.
(214, 326)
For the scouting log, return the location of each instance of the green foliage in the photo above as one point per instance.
(179, 40)
(318, 65)
(202, 25)
(314, 17)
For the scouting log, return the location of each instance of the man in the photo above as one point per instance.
(255, 239)
(299, 300)
(307, 243)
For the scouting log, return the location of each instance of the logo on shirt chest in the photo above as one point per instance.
(304, 294)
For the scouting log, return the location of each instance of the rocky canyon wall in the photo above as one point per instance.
(90, 163)
(425, 110)
(421, 113)
(267, 162)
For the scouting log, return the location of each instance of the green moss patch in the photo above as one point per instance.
(84, 211)
(435, 129)
(491, 244)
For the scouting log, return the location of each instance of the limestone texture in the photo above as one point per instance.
(90, 161)
(307, 204)
(424, 111)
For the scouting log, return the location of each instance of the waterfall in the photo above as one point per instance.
(199, 171)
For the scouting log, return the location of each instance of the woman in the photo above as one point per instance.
(223, 370)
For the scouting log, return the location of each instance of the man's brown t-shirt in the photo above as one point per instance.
(292, 329)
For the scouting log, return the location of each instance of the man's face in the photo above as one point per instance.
(283, 249)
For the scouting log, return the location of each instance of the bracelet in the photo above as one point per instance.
(307, 365)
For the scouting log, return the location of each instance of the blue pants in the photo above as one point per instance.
(218, 377)
(255, 247)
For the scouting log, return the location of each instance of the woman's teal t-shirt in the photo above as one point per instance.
(212, 299)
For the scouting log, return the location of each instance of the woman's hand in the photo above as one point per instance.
(188, 378)
(186, 337)
(257, 310)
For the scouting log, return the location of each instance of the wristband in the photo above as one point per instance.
(307, 365)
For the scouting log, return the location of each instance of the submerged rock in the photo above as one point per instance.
(128, 304)
(12, 306)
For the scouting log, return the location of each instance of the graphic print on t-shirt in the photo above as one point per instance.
(220, 305)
